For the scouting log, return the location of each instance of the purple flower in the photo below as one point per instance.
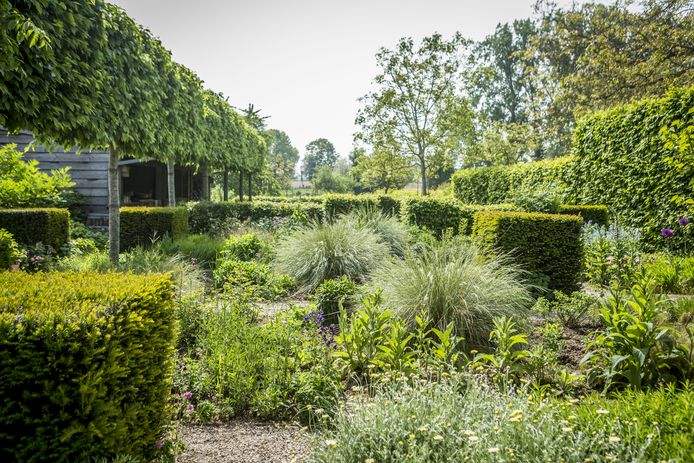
(683, 221)
(187, 395)
(159, 444)
(667, 233)
(190, 408)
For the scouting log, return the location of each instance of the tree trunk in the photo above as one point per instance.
(171, 183)
(113, 206)
(423, 174)
(240, 185)
(205, 183)
(250, 187)
(226, 186)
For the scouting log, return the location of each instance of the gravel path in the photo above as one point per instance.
(245, 441)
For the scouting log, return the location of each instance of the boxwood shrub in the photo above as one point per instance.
(546, 245)
(140, 225)
(85, 365)
(440, 215)
(599, 215)
(50, 226)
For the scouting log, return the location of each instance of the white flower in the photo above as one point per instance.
(438, 437)
(602, 411)
(332, 443)
(614, 439)
(493, 449)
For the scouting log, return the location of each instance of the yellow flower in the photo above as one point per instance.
(411, 436)
(493, 449)
(332, 443)
(614, 439)
(438, 437)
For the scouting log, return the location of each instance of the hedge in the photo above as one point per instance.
(497, 184)
(441, 215)
(549, 246)
(598, 215)
(338, 204)
(85, 365)
(623, 159)
(139, 226)
(49, 226)
(204, 215)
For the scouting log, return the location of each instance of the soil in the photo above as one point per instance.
(245, 441)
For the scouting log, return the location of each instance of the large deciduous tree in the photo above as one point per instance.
(282, 157)
(383, 169)
(319, 152)
(416, 109)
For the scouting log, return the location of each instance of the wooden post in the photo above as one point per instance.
(226, 186)
(171, 183)
(240, 185)
(250, 188)
(113, 206)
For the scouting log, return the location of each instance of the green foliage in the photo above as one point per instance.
(505, 363)
(391, 230)
(22, 185)
(31, 226)
(493, 185)
(454, 421)
(318, 252)
(280, 369)
(598, 215)
(80, 339)
(452, 284)
(545, 201)
(383, 170)
(251, 280)
(246, 247)
(633, 350)
(141, 226)
(9, 251)
(544, 244)
(333, 295)
(329, 180)
(671, 274)
(612, 254)
(202, 248)
(621, 161)
(569, 309)
(319, 153)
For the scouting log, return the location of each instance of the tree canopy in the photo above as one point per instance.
(319, 152)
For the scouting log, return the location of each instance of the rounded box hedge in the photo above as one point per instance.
(85, 365)
(50, 226)
(546, 245)
(140, 226)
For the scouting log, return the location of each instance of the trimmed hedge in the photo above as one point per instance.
(599, 215)
(338, 204)
(440, 215)
(9, 251)
(49, 226)
(497, 184)
(546, 245)
(85, 365)
(139, 225)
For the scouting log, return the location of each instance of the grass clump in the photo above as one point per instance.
(451, 282)
(391, 230)
(319, 252)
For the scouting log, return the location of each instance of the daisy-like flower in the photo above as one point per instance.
(469, 432)
(438, 437)
(332, 443)
(613, 439)
(602, 411)
(567, 429)
(473, 439)
(493, 450)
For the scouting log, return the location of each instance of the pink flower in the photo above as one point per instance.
(190, 408)
(187, 395)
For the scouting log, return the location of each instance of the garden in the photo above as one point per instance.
(532, 312)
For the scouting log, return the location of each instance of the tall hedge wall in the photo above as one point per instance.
(546, 245)
(49, 226)
(621, 159)
(140, 225)
(85, 365)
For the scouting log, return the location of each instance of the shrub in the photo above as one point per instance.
(597, 215)
(441, 216)
(202, 248)
(22, 184)
(246, 247)
(319, 252)
(571, 310)
(254, 280)
(612, 254)
(457, 422)
(31, 226)
(545, 201)
(141, 226)
(333, 294)
(9, 251)
(545, 244)
(76, 381)
(450, 283)
(633, 350)
(671, 274)
(336, 205)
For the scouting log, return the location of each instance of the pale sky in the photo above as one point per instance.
(305, 62)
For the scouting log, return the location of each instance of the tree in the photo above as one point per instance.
(319, 152)
(282, 157)
(383, 169)
(328, 180)
(417, 110)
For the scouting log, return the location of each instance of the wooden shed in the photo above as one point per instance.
(142, 182)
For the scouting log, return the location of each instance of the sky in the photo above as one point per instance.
(305, 63)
